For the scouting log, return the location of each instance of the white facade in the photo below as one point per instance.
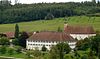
(81, 36)
(48, 44)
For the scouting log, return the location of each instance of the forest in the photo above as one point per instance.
(38, 11)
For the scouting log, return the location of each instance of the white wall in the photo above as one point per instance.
(48, 44)
(81, 36)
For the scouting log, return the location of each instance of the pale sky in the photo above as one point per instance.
(47, 1)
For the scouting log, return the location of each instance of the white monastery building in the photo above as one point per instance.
(79, 32)
(37, 40)
(49, 39)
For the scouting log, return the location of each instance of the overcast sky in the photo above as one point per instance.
(48, 1)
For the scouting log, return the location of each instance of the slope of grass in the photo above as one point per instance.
(52, 25)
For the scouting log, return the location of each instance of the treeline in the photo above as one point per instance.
(29, 12)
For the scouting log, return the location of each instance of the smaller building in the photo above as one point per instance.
(49, 39)
(10, 35)
(79, 32)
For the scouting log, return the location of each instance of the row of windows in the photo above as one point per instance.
(47, 41)
(46, 44)
(43, 41)
(40, 45)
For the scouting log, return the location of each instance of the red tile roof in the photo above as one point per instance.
(79, 29)
(10, 34)
(51, 36)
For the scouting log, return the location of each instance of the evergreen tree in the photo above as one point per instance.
(16, 31)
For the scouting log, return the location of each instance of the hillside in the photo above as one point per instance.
(52, 25)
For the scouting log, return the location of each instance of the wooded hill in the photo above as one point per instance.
(29, 12)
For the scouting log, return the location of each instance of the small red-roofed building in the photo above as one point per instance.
(10, 35)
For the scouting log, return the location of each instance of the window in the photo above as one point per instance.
(28, 40)
(33, 44)
(43, 41)
(39, 44)
(52, 41)
(49, 41)
(30, 44)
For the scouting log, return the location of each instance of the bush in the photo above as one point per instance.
(44, 48)
(18, 49)
(37, 53)
(10, 51)
(2, 50)
(4, 41)
(84, 57)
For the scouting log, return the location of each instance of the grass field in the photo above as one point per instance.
(52, 25)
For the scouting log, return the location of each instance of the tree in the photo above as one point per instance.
(49, 11)
(83, 44)
(44, 48)
(15, 41)
(54, 53)
(95, 43)
(4, 41)
(6, 2)
(99, 51)
(16, 31)
(36, 53)
(22, 39)
(94, 1)
(91, 55)
(84, 57)
(76, 54)
(60, 49)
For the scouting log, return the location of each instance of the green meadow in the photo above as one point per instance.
(52, 25)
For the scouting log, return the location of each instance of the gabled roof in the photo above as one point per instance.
(79, 29)
(51, 36)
